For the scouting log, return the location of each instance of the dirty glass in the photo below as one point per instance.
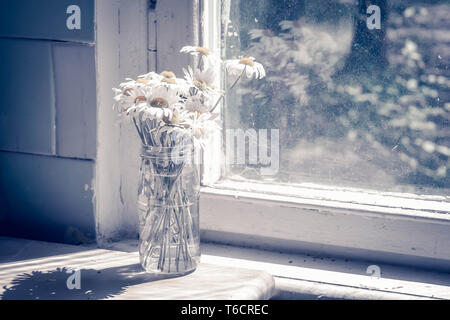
(360, 95)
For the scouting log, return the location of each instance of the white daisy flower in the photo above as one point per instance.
(162, 96)
(129, 96)
(150, 78)
(236, 67)
(199, 102)
(202, 80)
(199, 123)
(195, 50)
(162, 101)
(131, 83)
(207, 57)
(158, 103)
(177, 85)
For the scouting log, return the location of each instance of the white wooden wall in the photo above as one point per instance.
(132, 39)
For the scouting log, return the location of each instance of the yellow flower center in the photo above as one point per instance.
(142, 80)
(203, 50)
(168, 74)
(140, 98)
(159, 103)
(247, 61)
(200, 84)
(168, 80)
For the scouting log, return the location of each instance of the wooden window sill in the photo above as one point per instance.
(226, 272)
(39, 270)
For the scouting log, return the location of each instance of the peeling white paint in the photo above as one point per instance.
(118, 55)
(122, 50)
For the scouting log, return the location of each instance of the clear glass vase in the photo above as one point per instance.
(168, 205)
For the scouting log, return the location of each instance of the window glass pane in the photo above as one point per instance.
(360, 99)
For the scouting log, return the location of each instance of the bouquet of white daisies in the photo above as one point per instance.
(171, 116)
(189, 103)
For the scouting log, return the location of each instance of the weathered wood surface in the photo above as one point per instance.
(39, 270)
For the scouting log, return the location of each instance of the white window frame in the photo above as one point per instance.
(355, 223)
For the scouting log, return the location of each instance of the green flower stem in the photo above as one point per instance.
(230, 88)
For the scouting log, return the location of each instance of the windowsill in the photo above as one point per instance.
(40, 270)
(250, 273)
(299, 276)
(358, 224)
(354, 199)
